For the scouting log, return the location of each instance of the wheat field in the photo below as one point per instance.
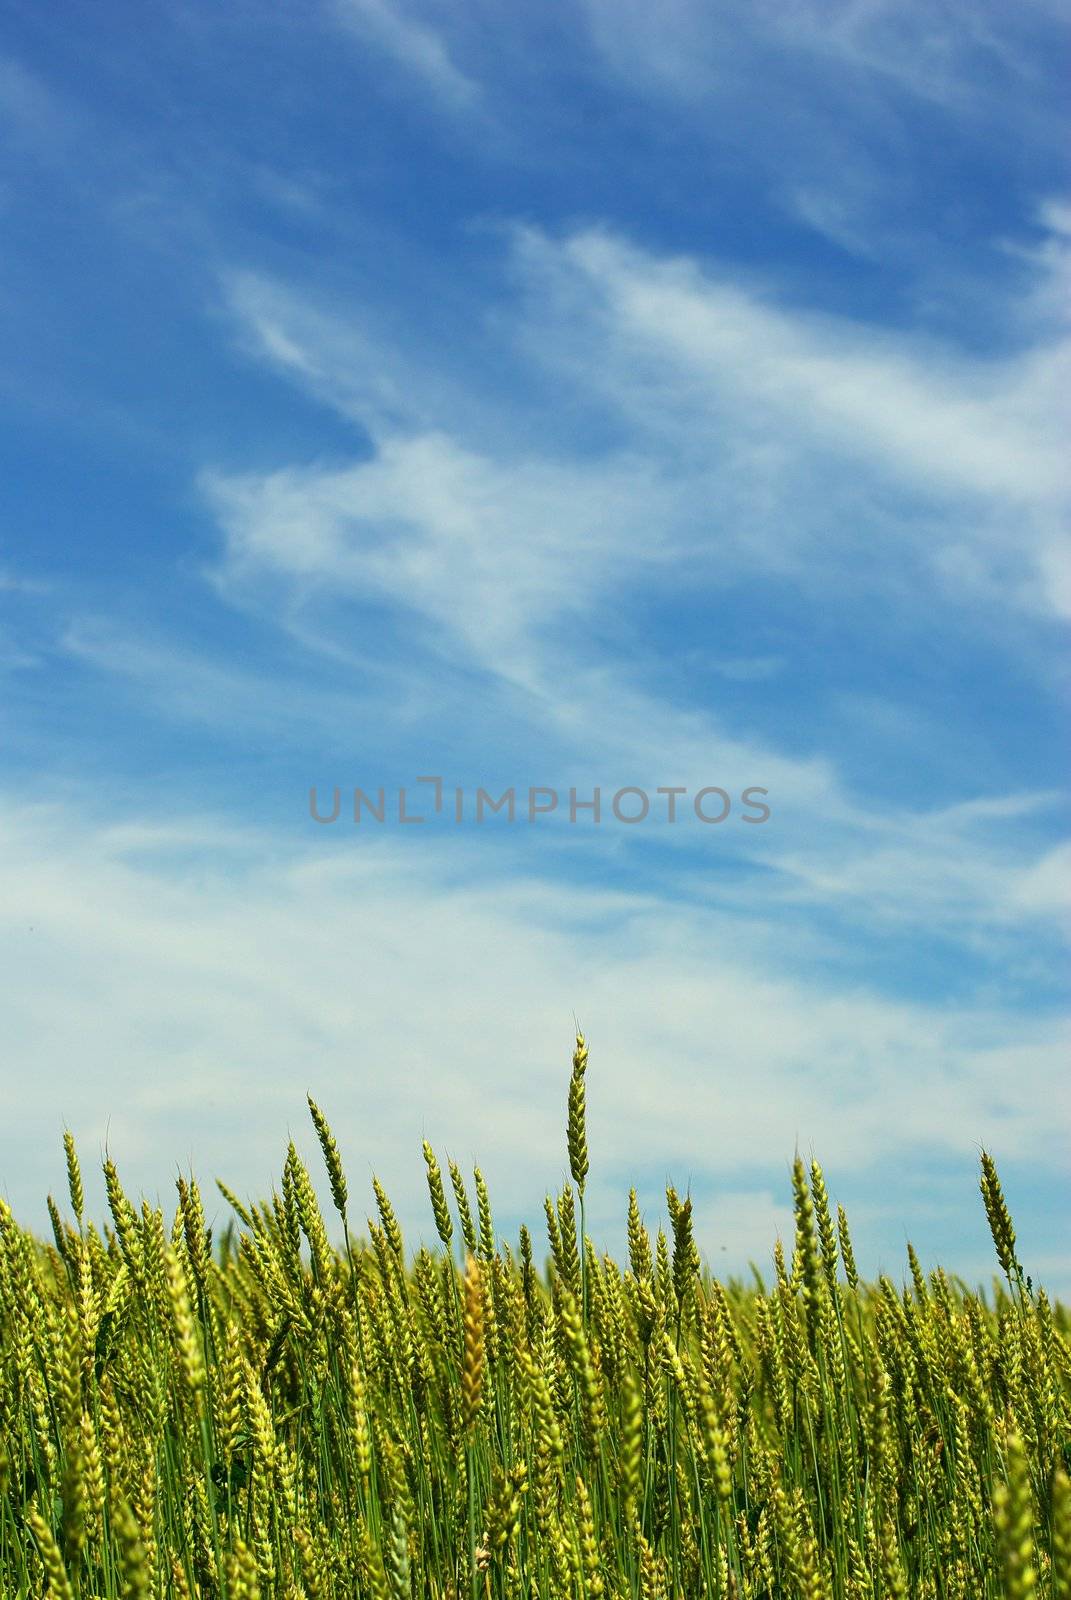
(266, 1415)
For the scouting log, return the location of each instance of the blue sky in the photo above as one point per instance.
(576, 395)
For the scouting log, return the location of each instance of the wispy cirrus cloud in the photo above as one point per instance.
(697, 359)
(38, 120)
(413, 44)
(16, 583)
(951, 56)
(748, 420)
(859, 86)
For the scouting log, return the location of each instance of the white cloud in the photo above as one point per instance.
(817, 411)
(937, 55)
(1045, 889)
(835, 215)
(490, 553)
(358, 362)
(952, 56)
(848, 79)
(414, 45)
(189, 685)
(36, 117)
(15, 583)
(759, 438)
(1055, 214)
(938, 419)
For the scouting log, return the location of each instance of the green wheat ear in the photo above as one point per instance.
(999, 1217)
(444, 1225)
(1013, 1514)
(332, 1159)
(577, 1134)
(74, 1176)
